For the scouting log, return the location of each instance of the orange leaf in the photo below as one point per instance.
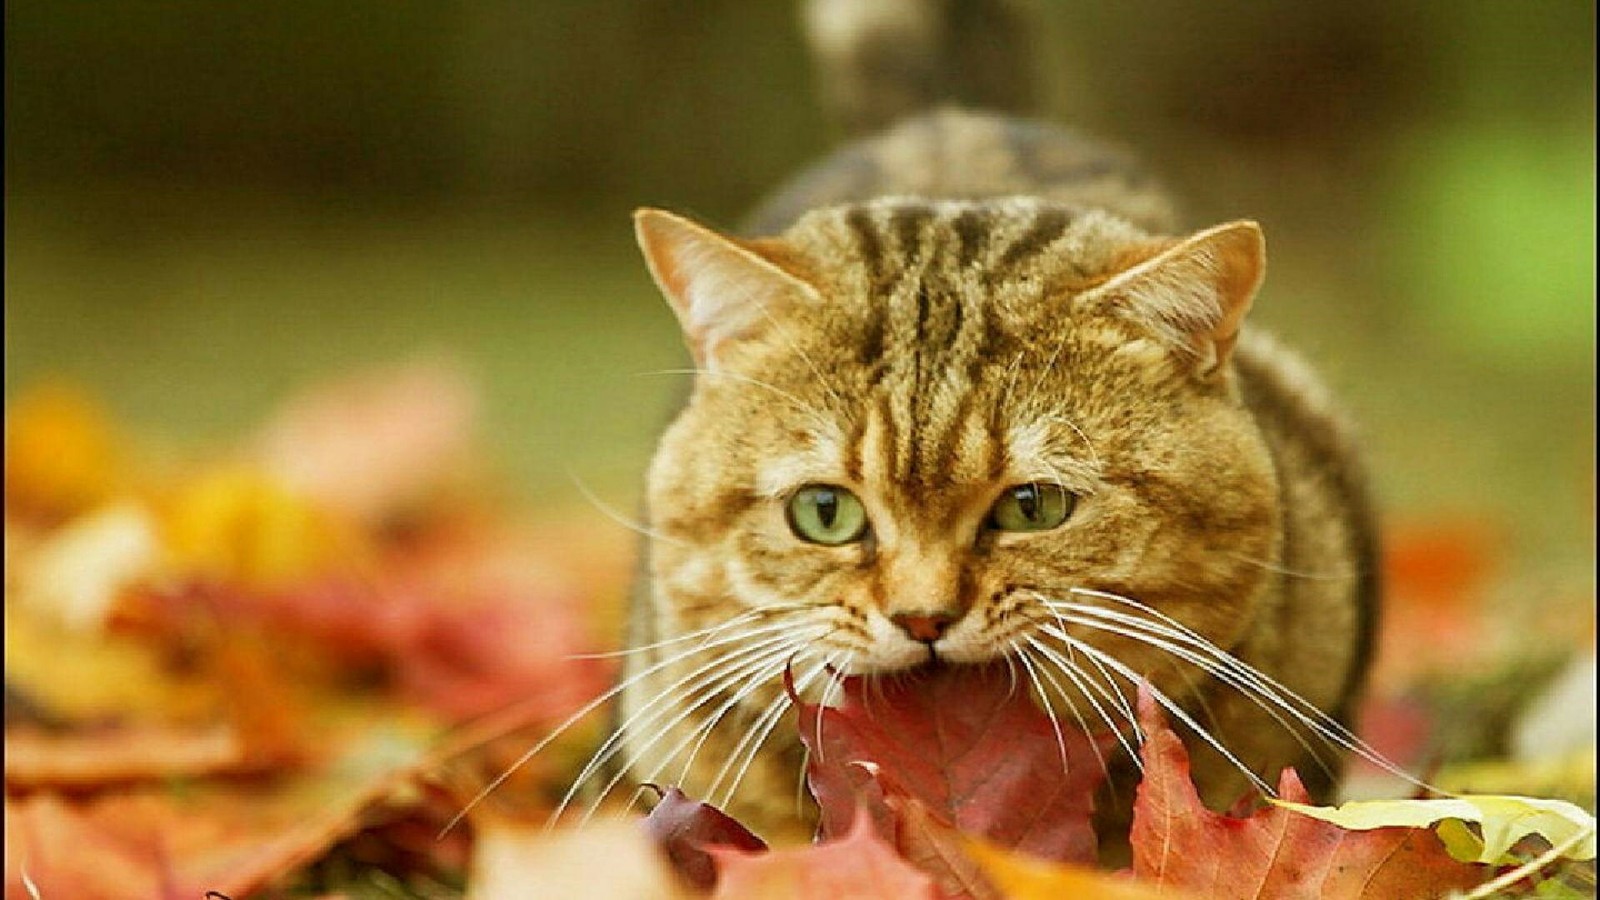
(232, 837)
(1022, 877)
(858, 865)
(1275, 853)
(61, 454)
(38, 759)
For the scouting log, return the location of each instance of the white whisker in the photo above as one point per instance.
(1166, 702)
(761, 730)
(705, 633)
(581, 713)
(1066, 699)
(724, 668)
(835, 683)
(1011, 375)
(1226, 675)
(1093, 455)
(1044, 697)
(1112, 692)
(751, 673)
(822, 380)
(615, 515)
(1301, 709)
(1088, 688)
(1310, 576)
(707, 732)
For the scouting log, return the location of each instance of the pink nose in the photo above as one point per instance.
(926, 628)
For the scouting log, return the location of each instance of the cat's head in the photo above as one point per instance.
(925, 429)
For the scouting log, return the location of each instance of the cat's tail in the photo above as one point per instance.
(879, 61)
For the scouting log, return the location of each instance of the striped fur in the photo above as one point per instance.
(974, 312)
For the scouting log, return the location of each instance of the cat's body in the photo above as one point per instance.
(963, 320)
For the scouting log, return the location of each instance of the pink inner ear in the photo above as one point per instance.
(1196, 293)
(1241, 252)
(719, 289)
(664, 239)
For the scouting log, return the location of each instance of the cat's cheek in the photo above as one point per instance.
(694, 576)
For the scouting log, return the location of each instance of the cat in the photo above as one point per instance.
(965, 391)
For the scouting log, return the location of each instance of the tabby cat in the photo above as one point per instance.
(963, 391)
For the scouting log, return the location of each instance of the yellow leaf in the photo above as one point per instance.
(1569, 776)
(1021, 877)
(88, 675)
(1503, 820)
(239, 525)
(61, 453)
(75, 574)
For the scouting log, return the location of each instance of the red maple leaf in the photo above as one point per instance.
(856, 865)
(685, 828)
(966, 746)
(1276, 852)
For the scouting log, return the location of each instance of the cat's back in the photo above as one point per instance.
(938, 96)
(958, 154)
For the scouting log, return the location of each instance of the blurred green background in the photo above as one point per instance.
(210, 205)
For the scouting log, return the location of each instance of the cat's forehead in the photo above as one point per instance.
(986, 242)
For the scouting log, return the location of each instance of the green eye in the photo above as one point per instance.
(826, 514)
(1031, 507)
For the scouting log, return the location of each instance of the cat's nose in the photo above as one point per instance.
(925, 628)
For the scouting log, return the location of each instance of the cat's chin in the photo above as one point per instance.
(932, 664)
(922, 658)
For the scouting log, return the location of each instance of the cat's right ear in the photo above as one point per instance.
(1195, 292)
(721, 290)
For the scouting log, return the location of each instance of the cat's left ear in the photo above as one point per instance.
(721, 289)
(1195, 293)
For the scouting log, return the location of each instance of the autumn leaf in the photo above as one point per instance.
(239, 525)
(236, 837)
(1436, 574)
(62, 455)
(372, 443)
(937, 848)
(606, 860)
(856, 866)
(684, 828)
(1021, 877)
(275, 657)
(77, 761)
(461, 630)
(965, 742)
(75, 574)
(1502, 823)
(1276, 853)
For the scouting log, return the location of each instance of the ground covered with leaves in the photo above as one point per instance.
(287, 667)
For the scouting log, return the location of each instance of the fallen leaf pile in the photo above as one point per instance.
(956, 774)
(291, 666)
(284, 667)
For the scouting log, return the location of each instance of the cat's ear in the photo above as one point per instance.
(720, 288)
(1195, 293)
